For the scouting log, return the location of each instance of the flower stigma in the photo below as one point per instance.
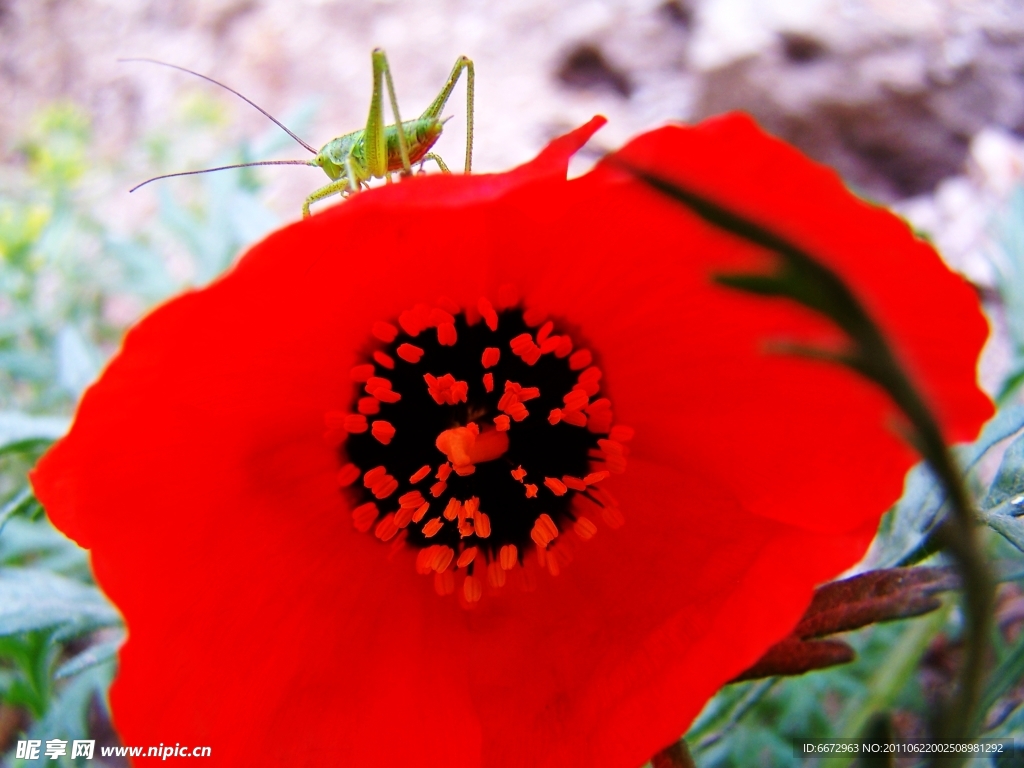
(479, 437)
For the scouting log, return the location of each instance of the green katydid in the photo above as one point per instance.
(373, 152)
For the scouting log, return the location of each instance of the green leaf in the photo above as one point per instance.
(32, 599)
(95, 654)
(1003, 506)
(17, 427)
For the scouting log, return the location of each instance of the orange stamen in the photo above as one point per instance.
(410, 353)
(383, 431)
(444, 583)
(584, 528)
(384, 359)
(364, 515)
(420, 473)
(490, 357)
(361, 372)
(348, 475)
(368, 406)
(386, 332)
(555, 485)
(466, 557)
(432, 527)
(508, 556)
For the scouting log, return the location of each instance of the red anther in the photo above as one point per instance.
(528, 393)
(444, 583)
(438, 488)
(348, 475)
(355, 423)
(584, 528)
(377, 382)
(386, 332)
(596, 477)
(432, 527)
(544, 530)
(383, 431)
(448, 305)
(517, 411)
(621, 433)
(472, 315)
(580, 359)
(550, 344)
(386, 528)
(564, 347)
(384, 359)
(386, 395)
(502, 423)
(576, 418)
(482, 522)
(409, 352)
(489, 382)
(451, 511)
(556, 486)
(593, 373)
(495, 574)
(471, 507)
(465, 527)
(463, 470)
(420, 473)
(404, 516)
(466, 557)
(521, 343)
(613, 517)
(385, 487)
(600, 423)
(612, 447)
(555, 416)
(443, 558)
(531, 491)
(439, 317)
(472, 589)
(590, 386)
(534, 316)
(576, 400)
(364, 515)
(373, 475)
(601, 404)
(443, 472)
(424, 560)
(490, 357)
(361, 372)
(519, 473)
(487, 313)
(531, 355)
(368, 406)
(574, 483)
(446, 335)
(411, 499)
(545, 331)
(473, 427)
(508, 296)
(420, 512)
(446, 389)
(508, 556)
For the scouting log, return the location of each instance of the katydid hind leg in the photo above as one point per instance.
(373, 136)
(437, 159)
(434, 110)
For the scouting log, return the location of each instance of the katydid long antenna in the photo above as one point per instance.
(264, 112)
(222, 168)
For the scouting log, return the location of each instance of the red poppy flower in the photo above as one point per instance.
(510, 333)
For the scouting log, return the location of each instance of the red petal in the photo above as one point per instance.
(262, 624)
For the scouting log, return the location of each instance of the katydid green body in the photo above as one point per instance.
(378, 150)
(374, 152)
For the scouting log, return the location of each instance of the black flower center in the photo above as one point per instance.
(478, 437)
